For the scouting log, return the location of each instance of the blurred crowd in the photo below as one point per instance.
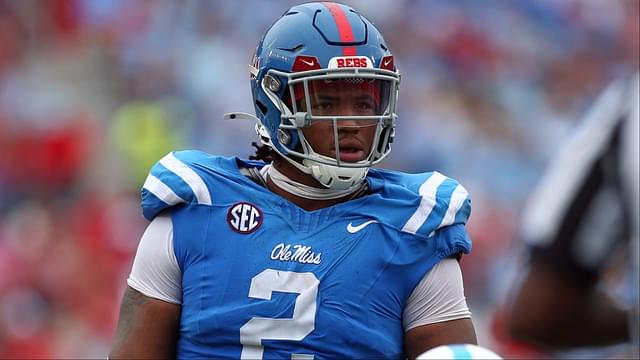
(93, 92)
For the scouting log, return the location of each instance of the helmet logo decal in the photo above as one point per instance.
(244, 217)
(309, 62)
(304, 63)
(350, 62)
(387, 63)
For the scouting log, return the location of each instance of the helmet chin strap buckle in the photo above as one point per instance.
(284, 137)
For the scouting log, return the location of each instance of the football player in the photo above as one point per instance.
(305, 251)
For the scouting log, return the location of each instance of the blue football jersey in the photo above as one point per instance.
(263, 278)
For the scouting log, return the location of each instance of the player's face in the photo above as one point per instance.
(355, 137)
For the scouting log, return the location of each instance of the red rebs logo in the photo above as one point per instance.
(350, 62)
(244, 217)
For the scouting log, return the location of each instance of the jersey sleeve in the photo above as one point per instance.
(451, 240)
(173, 181)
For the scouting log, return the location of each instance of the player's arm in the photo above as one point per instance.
(425, 337)
(437, 312)
(147, 328)
(150, 311)
(556, 311)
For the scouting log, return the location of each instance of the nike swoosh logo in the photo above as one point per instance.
(354, 229)
(307, 62)
(387, 62)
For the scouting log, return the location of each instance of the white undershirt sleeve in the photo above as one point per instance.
(155, 272)
(438, 297)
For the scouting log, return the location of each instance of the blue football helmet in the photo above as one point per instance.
(323, 45)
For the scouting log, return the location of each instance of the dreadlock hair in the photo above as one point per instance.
(263, 152)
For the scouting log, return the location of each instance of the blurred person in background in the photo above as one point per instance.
(305, 250)
(581, 225)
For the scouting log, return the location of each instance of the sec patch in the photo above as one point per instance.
(244, 217)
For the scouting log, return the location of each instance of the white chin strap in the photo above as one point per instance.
(310, 192)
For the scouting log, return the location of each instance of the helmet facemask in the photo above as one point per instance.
(366, 98)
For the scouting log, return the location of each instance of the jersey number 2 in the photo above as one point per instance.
(295, 328)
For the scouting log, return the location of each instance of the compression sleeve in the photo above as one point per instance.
(155, 272)
(438, 297)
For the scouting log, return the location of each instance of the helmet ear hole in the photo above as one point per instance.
(262, 107)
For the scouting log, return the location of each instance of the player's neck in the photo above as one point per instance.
(296, 175)
(304, 203)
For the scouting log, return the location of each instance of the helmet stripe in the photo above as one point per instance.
(344, 27)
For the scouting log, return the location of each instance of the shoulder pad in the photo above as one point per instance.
(422, 203)
(173, 181)
(443, 202)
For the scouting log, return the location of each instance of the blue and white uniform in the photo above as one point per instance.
(259, 277)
